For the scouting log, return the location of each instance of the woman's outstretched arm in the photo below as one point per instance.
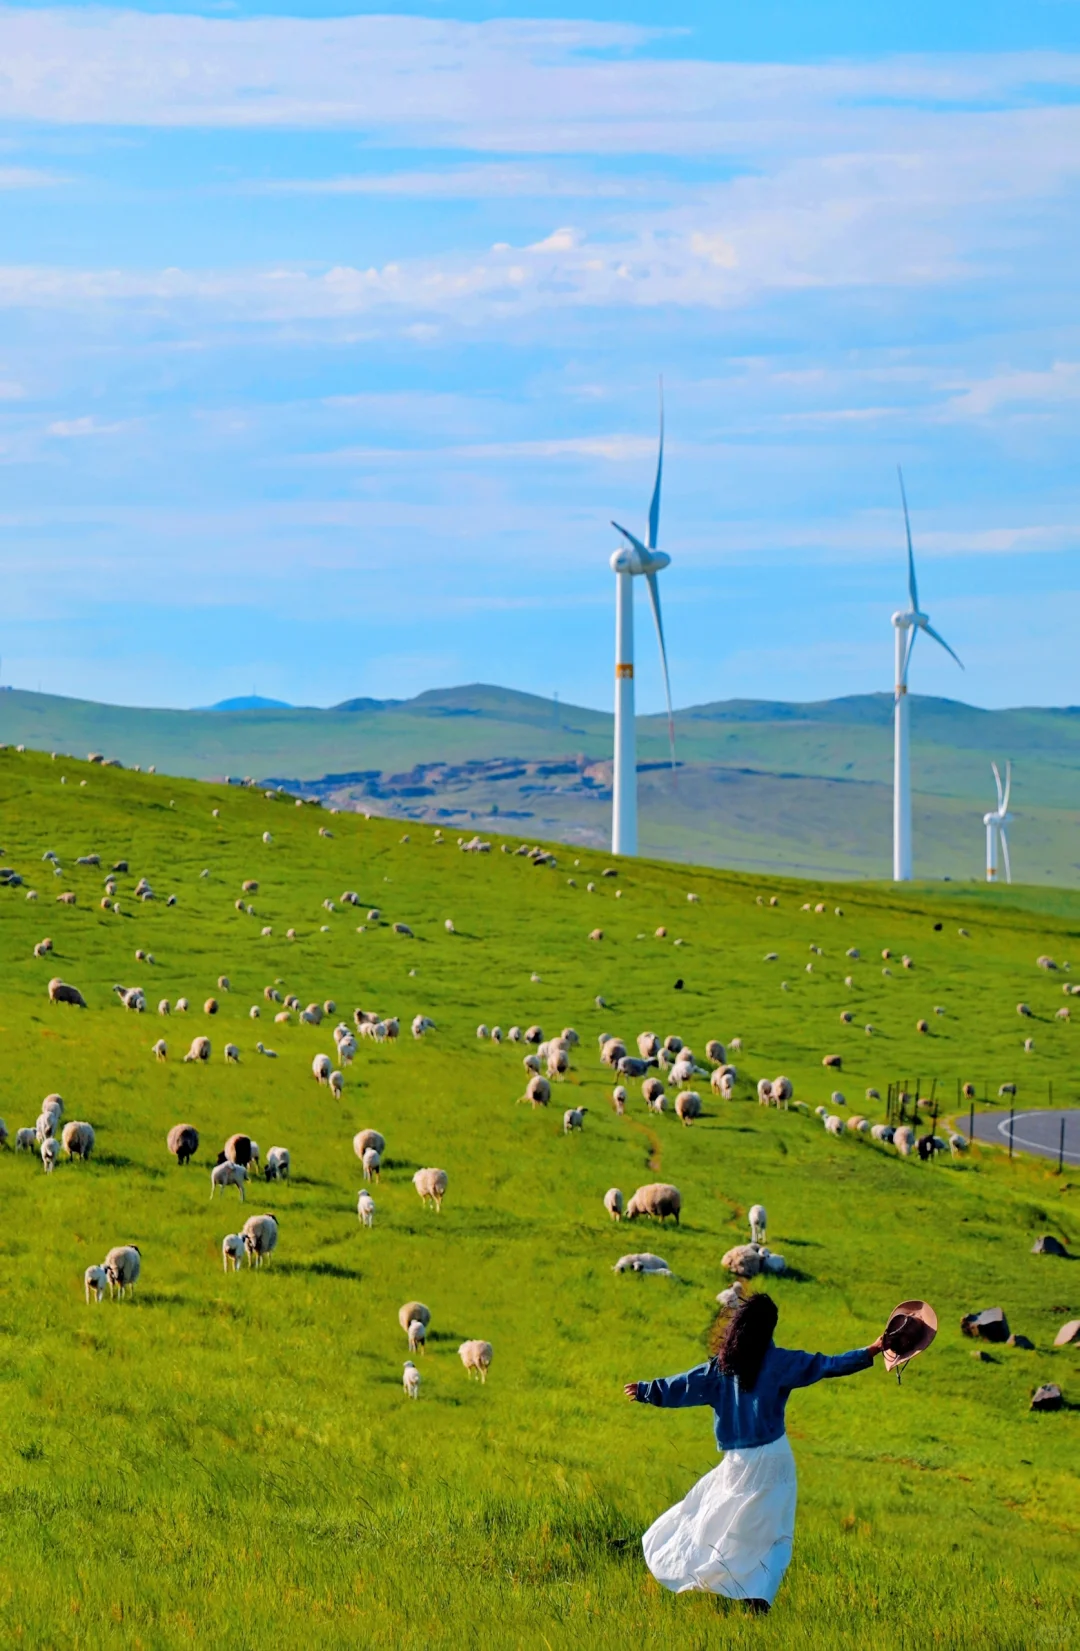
(694, 1387)
(804, 1369)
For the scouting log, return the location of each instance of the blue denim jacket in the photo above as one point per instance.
(744, 1420)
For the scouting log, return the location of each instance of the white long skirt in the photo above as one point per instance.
(731, 1534)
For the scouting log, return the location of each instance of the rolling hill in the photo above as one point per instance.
(762, 785)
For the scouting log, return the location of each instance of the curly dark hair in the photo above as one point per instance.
(744, 1338)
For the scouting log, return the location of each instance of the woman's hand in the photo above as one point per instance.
(876, 1347)
(631, 1391)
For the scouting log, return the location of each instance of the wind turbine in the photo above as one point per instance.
(997, 821)
(634, 558)
(908, 625)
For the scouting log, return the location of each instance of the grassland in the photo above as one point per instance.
(230, 1461)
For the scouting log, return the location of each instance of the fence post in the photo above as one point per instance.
(1012, 1115)
(971, 1121)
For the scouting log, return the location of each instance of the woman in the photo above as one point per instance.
(732, 1533)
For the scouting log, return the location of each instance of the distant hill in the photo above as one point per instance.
(250, 702)
(762, 784)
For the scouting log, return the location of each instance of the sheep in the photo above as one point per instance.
(631, 1066)
(1022, 1009)
(481, 1031)
(882, 1132)
(431, 1186)
(260, 1238)
(758, 1222)
(1029, 1044)
(43, 948)
(413, 1312)
(321, 1068)
(904, 1140)
(366, 1138)
(50, 1152)
(95, 1279)
(1006, 1089)
(410, 1380)
(673, 1044)
(271, 994)
(283, 1018)
(613, 1203)
(715, 1051)
(745, 1260)
(496, 1034)
(846, 1017)
(313, 1014)
(164, 1007)
(644, 1262)
(65, 899)
(659, 1199)
(60, 992)
(183, 1142)
(199, 1051)
(182, 1005)
(78, 1139)
(573, 1118)
(834, 1124)
(558, 1063)
(514, 1035)
(648, 1045)
(613, 1051)
(732, 1296)
(123, 1264)
(618, 1099)
(365, 1207)
(476, 1356)
(45, 1125)
(857, 1125)
(719, 1082)
(132, 997)
(227, 1175)
(652, 1090)
(232, 1250)
(372, 1162)
(261, 1049)
(417, 1334)
(688, 1105)
(533, 1034)
(922, 1026)
(958, 1144)
(210, 1007)
(232, 1055)
(764, 1092)
(538, 1091)
(833, 1061)
(278, 1164)
(25, 1140)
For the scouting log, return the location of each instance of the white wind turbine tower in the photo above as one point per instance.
(996, 821)
(626, 563)
(907, 625)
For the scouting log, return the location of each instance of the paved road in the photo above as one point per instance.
(1037, 1132)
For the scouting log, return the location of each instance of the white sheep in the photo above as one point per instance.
(431, 1186)
(417, 1334)
(957, 1144)
(758, 1223)
(25, 1140)
(573, 1118)
(688, 1105)
(278, 1164)
(232, 1055)
(123, 1264)
(199, 1051)
(613, 1203)
(227, 1175)
(618, 1099)
(732, 1296)
(95, 1279)
(232, 1250)
(50, 1154)
(834, 1124)
(78, 1139)
(321, 1068)
(410, 1380)
(365, 1209)
(260, 1238)
(372, 1162)
(476, 1356)
(261, 1049)
(643, 1262)
(337, 1084)
(881, 1132)
(904, 1140)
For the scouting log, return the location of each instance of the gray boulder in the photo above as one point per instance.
(989, 1325)
(1047, 1397)
(1068, 1333)
(1048, 1245)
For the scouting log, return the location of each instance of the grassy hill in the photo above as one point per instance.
(762, 785)
(230, 1460)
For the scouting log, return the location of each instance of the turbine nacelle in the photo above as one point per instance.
(634, 557)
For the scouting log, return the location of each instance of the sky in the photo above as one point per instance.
(330, 344)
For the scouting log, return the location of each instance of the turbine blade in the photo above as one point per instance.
(1004, 841)
(913, 589)
(654, 507)
(930, 631)
(654, 597)
(997, 782)
(630, 539)
(1008, 787)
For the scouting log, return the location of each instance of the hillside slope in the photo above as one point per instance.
(245, 1435)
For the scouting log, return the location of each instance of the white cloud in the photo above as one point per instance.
(1030, 389)
(76, 428)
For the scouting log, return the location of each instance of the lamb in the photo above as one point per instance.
(431, 1186)
(643, 1262)
(652, 1090)
(365, 1208)
(410, 1380)
(227, 1175)
(123, 1265)
(200, 1049)
(164, 1007)
(659, 1199)
(758, 1220)
(337, 1085)
(372, 1162)
(476, 1356)
(78, 1139)
(688, 1105)
(232, 1250)
(260, 1238)
(232, 1055)
(132, 997)
(538, 1091)
(366, 1138)
(573, 1118)
(25, 1140)
(417, 1334)
(958, 1144)
(618, 1099)
(732, 1296)
(60, 992)
(414, 1312)
(50, 1153)
(764, 1092)
(321, 1068)
(278, 1164)
(95, 1279)
(183, 1142)
(613, 1203)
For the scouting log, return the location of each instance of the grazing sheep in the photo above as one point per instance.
(123, 1266)
(558, 1062)
(534, 1034)
(227, 1175)
(260, 1238)
(232, 1250)
(321, 1068)
(1022, 1009)
(132, 997)
(904, 1140)
(765, 1092)
(643, 1262)
(372, 1162)
(613, 1203)
(60, 992)
(232, 1055)
(720, 1083)
(25, 1140)
(78, 1139)
(834, 1124)
(271, 994)
(1006, 1089)
(210, 1007)
(43, 948)
(181, 1005)
(832, 1060)
(631, 1066)
(95, 1279)
(659, 1199)
(957, 1144)
(618, 1099)
(688, 1105)
(758, 1222)
(573, 1118)
(732, 1296)
(882, 1132)
(613, 1051)
(337, 1085)
(652, 1090)
(417, 1334)
(200, 1049)
(783, 1089)
(476, 1356)
(1029, 1044)
(261, 1049)
(366, 1138)
(410, 1380)
(365, 1209)
(413, 1312)
(183, 1142)
(164, 1007)
(431, 1186)
(481, 1031)
(857, 1125)
(50, 1153)
(278, 1164)
(715, 1051)
(538, 1091)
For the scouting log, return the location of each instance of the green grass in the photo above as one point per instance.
(230, 1461)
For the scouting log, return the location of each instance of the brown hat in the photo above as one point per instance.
(911, 1328)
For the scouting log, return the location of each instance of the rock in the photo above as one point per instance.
(989, 1325)
(1021, 1341)
(1068, 1333)
(981, 1356)
(1048, 1245)
(1047, 1397)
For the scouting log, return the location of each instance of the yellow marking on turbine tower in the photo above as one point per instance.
(624, 671)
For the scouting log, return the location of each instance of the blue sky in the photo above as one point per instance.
(329, 344)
